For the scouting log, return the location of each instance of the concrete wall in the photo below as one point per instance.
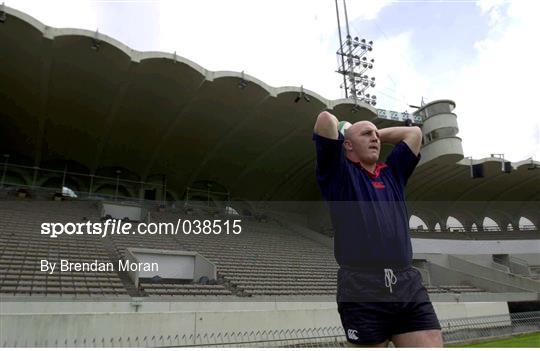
(465, 265)
(476, 247)
(203, 267)
(454, 310)
(173, 264)
(64, 325)
(435, 258)
(532, 259)
(135, 213)
(167, 323)
(448, 150)
(484, 260)
(441, 275)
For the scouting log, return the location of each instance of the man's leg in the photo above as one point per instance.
(365, 324)
(417, 324)
(421, 338)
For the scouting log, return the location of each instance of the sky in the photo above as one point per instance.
(479, 54)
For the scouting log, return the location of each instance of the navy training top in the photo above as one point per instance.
(368, 210)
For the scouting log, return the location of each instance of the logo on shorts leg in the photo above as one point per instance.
(351, 334)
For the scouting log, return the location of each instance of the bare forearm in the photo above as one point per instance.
(412, 136)
(394, 135)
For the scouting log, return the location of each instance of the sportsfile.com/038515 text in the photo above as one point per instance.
(119, 227)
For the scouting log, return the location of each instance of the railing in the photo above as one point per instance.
(500, 267)
(454, 331)
(308, 337)
(398, 116)
(470, 329)
(426, 278)
(38, 172)
(519, 261)
(474, 230)
(48, 193)
(45, 193)
(519, 266)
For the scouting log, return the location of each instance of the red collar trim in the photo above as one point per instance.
(378, 167)
(377, 172)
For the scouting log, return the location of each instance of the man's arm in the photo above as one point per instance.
(412, 136)
(327, 125)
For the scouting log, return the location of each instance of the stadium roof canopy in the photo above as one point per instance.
(77, 96)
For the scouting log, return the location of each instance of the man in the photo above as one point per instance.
(380, 296)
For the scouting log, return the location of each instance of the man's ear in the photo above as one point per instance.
(347, 145)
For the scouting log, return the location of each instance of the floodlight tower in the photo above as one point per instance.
(353, 63)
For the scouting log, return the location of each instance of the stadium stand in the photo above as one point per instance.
(22, 248)
(266, 259)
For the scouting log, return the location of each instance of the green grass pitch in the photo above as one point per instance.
(529, 340)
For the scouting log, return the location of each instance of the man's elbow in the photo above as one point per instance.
(325, 119)
(326, 125)
(417, 132)
(414, 139)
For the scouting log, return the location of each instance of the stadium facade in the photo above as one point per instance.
(80, 110)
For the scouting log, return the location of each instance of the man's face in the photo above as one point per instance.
(362, 140)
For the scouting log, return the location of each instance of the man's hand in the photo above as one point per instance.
(412, 136)
(327, 125)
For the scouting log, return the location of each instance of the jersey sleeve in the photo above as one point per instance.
(402, 161)
(330, 156)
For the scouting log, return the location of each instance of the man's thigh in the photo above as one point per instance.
(420, 338)
(417, 323)
(366, 324)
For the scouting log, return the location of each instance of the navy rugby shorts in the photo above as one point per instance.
(374, 305)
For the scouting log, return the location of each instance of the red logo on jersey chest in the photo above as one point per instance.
(378, 185)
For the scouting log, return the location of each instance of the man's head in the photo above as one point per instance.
(362, 143)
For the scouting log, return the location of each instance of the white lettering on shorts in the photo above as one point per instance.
(351, 334)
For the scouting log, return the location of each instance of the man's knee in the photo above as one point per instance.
(422, 338)
(436, 338)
